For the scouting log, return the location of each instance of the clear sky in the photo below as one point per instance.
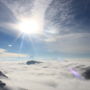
(54, 29)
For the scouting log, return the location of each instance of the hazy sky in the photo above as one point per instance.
(65, 26)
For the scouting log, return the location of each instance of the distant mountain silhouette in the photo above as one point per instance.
(32, 62)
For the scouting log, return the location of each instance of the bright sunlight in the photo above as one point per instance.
(30, 26)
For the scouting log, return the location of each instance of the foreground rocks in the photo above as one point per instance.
(2, 85)
(86, 73)
(3, 75)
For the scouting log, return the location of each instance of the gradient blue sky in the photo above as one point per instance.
(66, 29)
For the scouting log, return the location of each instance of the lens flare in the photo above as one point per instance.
(75, 73)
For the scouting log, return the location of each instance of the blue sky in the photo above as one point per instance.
(65, 27)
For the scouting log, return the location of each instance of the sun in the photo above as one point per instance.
(30, 26)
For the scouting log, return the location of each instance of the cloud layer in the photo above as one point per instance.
(48, 75)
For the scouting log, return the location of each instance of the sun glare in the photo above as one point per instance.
(30, 26)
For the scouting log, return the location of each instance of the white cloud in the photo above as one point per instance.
(6, 54)
(69, 43)
(9, 45)
(2, 50)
